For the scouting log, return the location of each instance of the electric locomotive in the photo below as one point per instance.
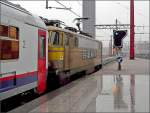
(71, 51)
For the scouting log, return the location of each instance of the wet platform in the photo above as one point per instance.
(136, 66)
(98, 92)
(95, 93)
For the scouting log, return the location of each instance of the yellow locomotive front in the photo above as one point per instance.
(55, 49)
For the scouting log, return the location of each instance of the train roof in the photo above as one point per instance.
(68, 31)
(14, 5)
(17, 12)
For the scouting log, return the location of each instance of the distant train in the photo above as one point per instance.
(31, 52)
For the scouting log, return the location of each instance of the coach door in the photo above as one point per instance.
(41, 61)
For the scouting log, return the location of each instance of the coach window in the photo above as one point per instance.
(9, 43)
(13, 32)
(42, 47)
(3, 30)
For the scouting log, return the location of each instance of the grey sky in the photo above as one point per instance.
(106, 13)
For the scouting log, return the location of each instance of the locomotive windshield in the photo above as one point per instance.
(55, 38)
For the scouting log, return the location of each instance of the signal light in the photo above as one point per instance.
(118, 36)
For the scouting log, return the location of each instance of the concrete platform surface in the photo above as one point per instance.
(136, 66)
(95, 93)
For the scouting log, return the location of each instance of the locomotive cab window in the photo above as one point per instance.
(9, 42)
(56, 38)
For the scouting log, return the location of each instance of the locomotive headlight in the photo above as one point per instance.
(61, 57)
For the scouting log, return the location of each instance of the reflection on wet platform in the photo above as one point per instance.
(96, 93)
(124, 93)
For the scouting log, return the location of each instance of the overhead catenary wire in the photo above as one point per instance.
(68, 9)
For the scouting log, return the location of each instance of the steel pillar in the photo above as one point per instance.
(132, 29)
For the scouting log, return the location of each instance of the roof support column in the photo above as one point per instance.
(89, 12)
